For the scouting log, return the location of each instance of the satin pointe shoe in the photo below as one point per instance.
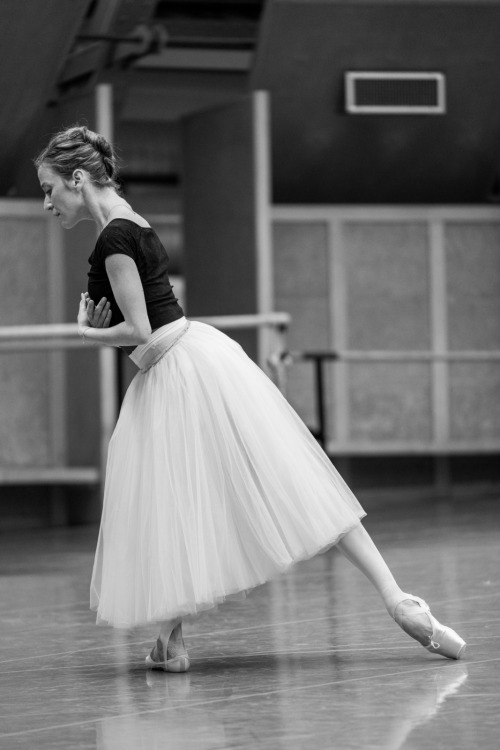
(158, 658)
(414, 617)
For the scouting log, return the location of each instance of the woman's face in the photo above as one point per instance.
(62, 196)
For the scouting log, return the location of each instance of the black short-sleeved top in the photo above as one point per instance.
(144, 247)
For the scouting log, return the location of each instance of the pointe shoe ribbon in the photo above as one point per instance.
(419, 623)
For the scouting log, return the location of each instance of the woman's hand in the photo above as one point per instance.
(93, 316)
(99, 315)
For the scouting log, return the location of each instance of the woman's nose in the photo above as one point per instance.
(47, 204)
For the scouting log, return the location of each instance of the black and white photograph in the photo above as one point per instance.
(249, 374)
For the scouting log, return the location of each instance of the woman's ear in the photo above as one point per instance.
(78, 178)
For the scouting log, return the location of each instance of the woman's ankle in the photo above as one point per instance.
(170, 630)
(392, 595)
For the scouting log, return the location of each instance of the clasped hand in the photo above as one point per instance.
(91, 315)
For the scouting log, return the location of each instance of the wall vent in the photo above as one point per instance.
(395, 93)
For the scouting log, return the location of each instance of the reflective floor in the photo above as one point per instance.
(309, 661)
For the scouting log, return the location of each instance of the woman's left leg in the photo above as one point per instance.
(170, 652)
(411, 613)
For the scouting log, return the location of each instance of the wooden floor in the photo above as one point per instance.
(309, 661)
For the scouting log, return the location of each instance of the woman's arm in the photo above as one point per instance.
(129, 295)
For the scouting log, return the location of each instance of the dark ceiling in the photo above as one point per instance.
(30, 64)
(168, 59)
(165, 59)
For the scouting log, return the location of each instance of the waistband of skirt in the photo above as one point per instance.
(160, 341)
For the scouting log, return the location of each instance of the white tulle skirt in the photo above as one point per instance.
(213, 485)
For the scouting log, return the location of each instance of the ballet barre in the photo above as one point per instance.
(64, 336)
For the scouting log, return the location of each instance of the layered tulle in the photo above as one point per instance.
(213, 483)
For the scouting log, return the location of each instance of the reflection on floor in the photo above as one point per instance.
(308, 661)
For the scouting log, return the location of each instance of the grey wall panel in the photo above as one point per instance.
(412, 306)
(25, 425)
(301, 283)
(473, 288)
(390, 401)
(475, 401)
(387, 270)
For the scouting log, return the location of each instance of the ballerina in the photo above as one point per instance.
(213, 483)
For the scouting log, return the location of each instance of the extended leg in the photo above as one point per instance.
(411, 613)
(361, 551)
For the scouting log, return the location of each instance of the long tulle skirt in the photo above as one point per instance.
(213, 484)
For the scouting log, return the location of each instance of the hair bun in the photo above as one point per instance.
(98, 141)
(101, 145)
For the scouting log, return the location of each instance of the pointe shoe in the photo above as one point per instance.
(178, 663)
(419, 623)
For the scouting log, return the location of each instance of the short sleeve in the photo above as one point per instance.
(116, 239)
